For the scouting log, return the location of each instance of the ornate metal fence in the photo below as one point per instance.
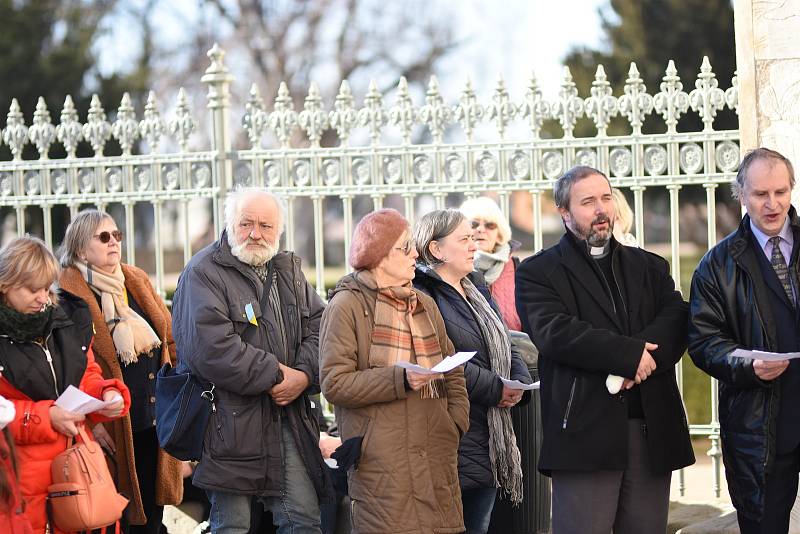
(452, 161)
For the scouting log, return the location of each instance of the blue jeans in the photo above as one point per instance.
(478, 504)
(295, 511)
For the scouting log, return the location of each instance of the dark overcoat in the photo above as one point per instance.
(569, 315)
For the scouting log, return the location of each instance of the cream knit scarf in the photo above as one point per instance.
(132, 335)
(491, 264)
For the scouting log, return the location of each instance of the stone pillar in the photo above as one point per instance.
(768, 63)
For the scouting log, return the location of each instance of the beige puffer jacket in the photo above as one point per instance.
(407, 477)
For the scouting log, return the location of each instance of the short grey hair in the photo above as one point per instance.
(79, 234)
(435, 226)
(752, 156)
(563, 186)
(235, 198)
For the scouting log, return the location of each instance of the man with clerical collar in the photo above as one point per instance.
(744, 296)
(598, 310)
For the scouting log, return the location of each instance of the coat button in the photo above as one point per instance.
(152, 400)
(151, 376)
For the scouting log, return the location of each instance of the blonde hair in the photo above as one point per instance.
(624, 218)
(27, 262)
(487, 209)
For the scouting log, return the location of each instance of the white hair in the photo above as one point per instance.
(234, 200)
(487, 209)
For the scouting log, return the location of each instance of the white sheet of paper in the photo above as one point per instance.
(516, 384)
(76, 401)
(447, 364)
(766, 356)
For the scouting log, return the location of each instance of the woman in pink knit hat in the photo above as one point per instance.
(400, 429)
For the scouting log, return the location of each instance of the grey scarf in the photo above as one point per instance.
(503, 451)
(492, 264)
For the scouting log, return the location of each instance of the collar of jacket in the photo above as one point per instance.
(585, 270)
(429, 273)
(223, 256)
(744, 256)
(739, 244)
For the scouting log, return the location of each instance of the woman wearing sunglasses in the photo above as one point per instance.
(133, 339)
(494, 258)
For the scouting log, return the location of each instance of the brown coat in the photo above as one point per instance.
(407, 477)
(169, 483)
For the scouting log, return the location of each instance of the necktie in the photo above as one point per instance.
(781, 269)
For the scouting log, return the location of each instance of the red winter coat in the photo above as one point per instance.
(37, 443)
(12, 517)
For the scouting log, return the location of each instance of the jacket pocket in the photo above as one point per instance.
(238, 431)
(244, 313)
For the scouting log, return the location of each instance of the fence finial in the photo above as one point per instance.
(16, 133)
(69, 129)
(343, 117)
(183, 125)
(126, 128)
(373, 114)
(42, 133)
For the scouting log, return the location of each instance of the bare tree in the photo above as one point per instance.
(326, 41)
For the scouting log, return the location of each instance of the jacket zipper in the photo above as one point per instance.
(50, 363)
(569, 403)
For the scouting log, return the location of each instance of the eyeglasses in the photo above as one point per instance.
(407, 247)
(489, 225)
(105, 237)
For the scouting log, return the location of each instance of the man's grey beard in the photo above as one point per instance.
(256, 258)
(589, 234)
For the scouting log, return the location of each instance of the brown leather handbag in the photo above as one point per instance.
(82, 496)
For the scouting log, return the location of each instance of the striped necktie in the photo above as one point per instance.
(781, 269)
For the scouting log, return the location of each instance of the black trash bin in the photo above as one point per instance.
(533, 514)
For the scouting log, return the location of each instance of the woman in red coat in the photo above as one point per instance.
(45, 346)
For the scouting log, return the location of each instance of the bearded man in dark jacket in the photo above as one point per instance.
(745, 296)
(246, 319)
(597, 308)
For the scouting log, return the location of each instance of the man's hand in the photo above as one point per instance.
(647, 364)
(510, 397)
(102, 437)
(627, 384)
(769, 370)
(294, 383)
(328, 444)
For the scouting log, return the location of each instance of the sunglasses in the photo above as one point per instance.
(407, 247)
(489, 225)
(105, 237)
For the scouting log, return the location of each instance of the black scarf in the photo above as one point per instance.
(25, 327)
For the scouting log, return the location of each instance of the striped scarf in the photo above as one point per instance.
(403, 330)
(503, 451)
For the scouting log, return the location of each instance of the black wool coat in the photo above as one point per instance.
(569, 315)
(484, 386)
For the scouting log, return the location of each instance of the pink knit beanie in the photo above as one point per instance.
(374, 237)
